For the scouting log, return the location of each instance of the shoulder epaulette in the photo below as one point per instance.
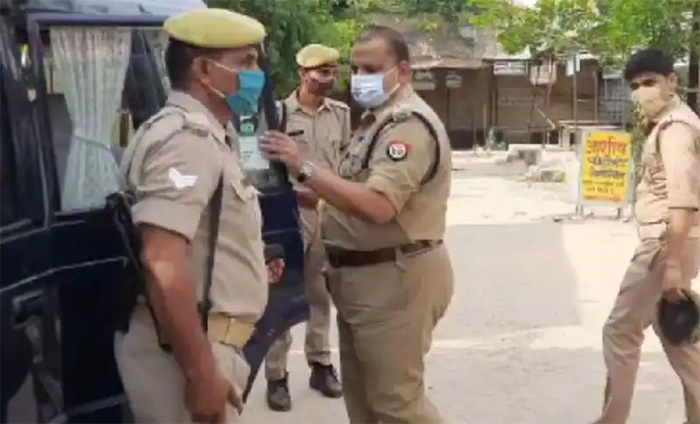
(402, 112)
(197, 123)
(338, 104)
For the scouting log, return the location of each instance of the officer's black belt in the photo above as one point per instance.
(343, 258)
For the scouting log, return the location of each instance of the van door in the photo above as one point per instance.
(86, 256)
(29, 353)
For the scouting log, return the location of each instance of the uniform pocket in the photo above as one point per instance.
(244, 192)
(247, 195)
(349, 165)
(369, 293)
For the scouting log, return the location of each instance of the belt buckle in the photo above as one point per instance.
(229, 331)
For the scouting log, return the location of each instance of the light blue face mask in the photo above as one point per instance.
(368, 90)
(250, 85)
(245, 100)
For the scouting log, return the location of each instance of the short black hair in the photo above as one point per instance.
(648, 60)
(394, 39)
(178, 58)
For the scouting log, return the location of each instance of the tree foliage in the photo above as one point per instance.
(551, 27)
(290, 25)
(610, 29)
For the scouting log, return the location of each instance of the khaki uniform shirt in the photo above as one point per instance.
(421, 209)
(178, 158)
(325, 137)
(671, 176)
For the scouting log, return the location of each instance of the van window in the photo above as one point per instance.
(93, 116)
(85, 70)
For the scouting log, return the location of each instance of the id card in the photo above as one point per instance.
(252, 158)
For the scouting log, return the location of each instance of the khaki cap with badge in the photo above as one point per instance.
(317, 55)
(215, 29)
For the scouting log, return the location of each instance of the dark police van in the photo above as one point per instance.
(77, 78)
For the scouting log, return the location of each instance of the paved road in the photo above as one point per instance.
(521, 341)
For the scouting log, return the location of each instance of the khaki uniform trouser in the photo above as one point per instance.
(623, 333)
(317, 344)
(386, 317)
(153, 381)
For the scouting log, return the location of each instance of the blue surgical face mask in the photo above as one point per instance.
(250, 86)
(245, 100)
(368, 89)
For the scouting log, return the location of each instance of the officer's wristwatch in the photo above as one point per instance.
(306, 171)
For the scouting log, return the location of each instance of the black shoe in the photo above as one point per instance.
(325, 380)
(278, 398)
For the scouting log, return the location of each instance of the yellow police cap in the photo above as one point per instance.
(315, 55)
(215, 28)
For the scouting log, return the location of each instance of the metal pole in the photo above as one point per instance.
(596, 96)
(575, 95)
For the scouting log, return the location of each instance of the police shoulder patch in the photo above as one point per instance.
(397, 150)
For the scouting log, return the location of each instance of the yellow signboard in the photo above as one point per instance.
(606, 166)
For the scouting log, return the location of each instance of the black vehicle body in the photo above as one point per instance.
(57, 267)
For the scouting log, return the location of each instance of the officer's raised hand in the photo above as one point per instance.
(281, 147)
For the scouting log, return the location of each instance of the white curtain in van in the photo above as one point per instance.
(90, 67)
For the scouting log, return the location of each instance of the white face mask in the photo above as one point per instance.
(651, 100)
(368, 90)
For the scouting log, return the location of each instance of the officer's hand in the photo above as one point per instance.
(235, 398)
(207, 396)
(281, 147)
(673, 283)
(275, 269)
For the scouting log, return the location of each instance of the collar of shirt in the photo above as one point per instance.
(185, 101)
(294, 105)
(371, 116)
(670, 107)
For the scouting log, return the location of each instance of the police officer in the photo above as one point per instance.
(383, 223)
(666, 258)
(177, 163)
(321, 126)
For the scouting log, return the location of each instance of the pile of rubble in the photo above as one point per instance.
(551, 164)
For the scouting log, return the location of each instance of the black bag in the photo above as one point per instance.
(679, 323)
